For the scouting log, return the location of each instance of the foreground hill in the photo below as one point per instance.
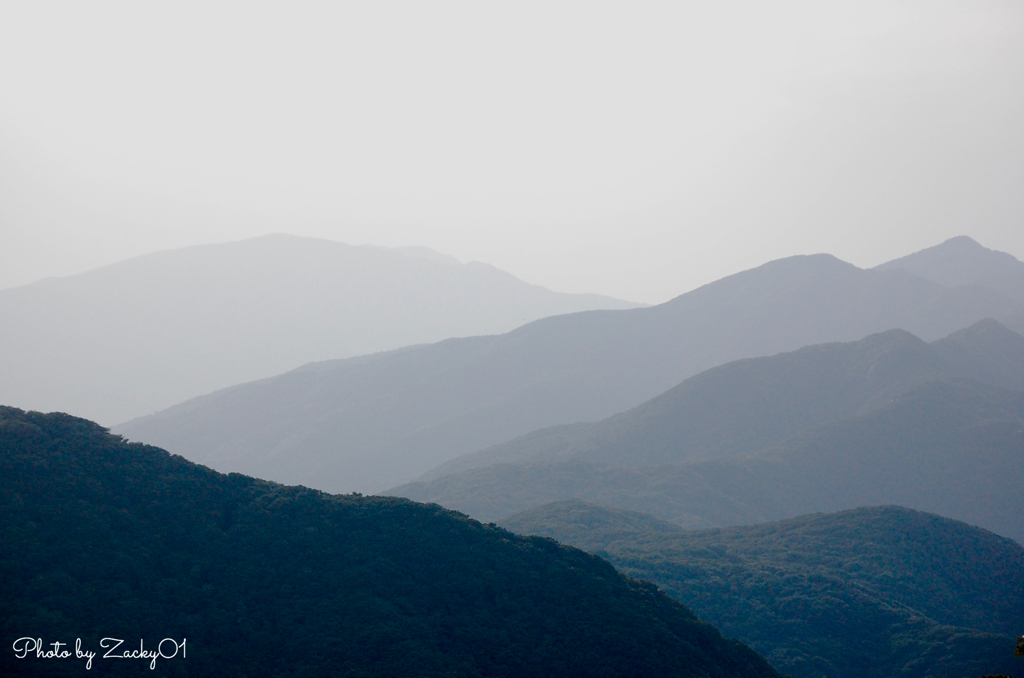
(882, 591)
(374, 422)
(106, 539)
(138, 336)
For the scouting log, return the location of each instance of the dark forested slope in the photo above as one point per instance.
(100, 538)
(882, 591)
(377, 421)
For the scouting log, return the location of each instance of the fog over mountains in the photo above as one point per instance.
(237, 443)
(373, 422)
(143, 334)
(748, 405)
(807, 411)
(962, 261)
(887, 420)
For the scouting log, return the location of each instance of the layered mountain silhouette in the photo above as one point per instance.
(372, 422)
(748, 405)
(962, 261)
(880, 591)
(886, 420)
(106, 539)
(143, 334)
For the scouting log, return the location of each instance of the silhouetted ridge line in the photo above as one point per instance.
(888, 419)
(143, 334)
(374, 425)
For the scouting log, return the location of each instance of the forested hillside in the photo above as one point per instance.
(882, 591)
(100, 538)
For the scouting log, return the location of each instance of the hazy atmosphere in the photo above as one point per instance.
(635, 150)
(512, 340)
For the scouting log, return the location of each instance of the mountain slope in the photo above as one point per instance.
(962, 261)
(879, 591)
(950, 447)
(378, 421)
(102, 538)
(747, 405)
(140, 335)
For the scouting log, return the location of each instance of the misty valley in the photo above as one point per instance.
(286, 456)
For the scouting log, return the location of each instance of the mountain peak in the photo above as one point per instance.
(987, 327)
(988, 349)
(139, 335)
(963, 261)
(961, 242)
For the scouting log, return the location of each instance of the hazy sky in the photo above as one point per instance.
(633, 149)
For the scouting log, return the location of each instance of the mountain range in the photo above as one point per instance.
(870, 592)
(104, 539)
(374, 422)
(751, 404)
(141, 335)
(886, 420)
(853, 438)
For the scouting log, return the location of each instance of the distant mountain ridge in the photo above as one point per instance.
(378, 421)
(962, 261)
(143, 334)
(925, 438)
(748, 405)
(878, 591)
(954, 449)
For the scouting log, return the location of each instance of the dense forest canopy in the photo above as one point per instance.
(101, 538)
(871, 592)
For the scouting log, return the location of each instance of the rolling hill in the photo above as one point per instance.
(880, 591)
(373, 422)
(141, 335)
(100, 538)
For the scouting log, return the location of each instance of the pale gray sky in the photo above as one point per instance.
(632, 149)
